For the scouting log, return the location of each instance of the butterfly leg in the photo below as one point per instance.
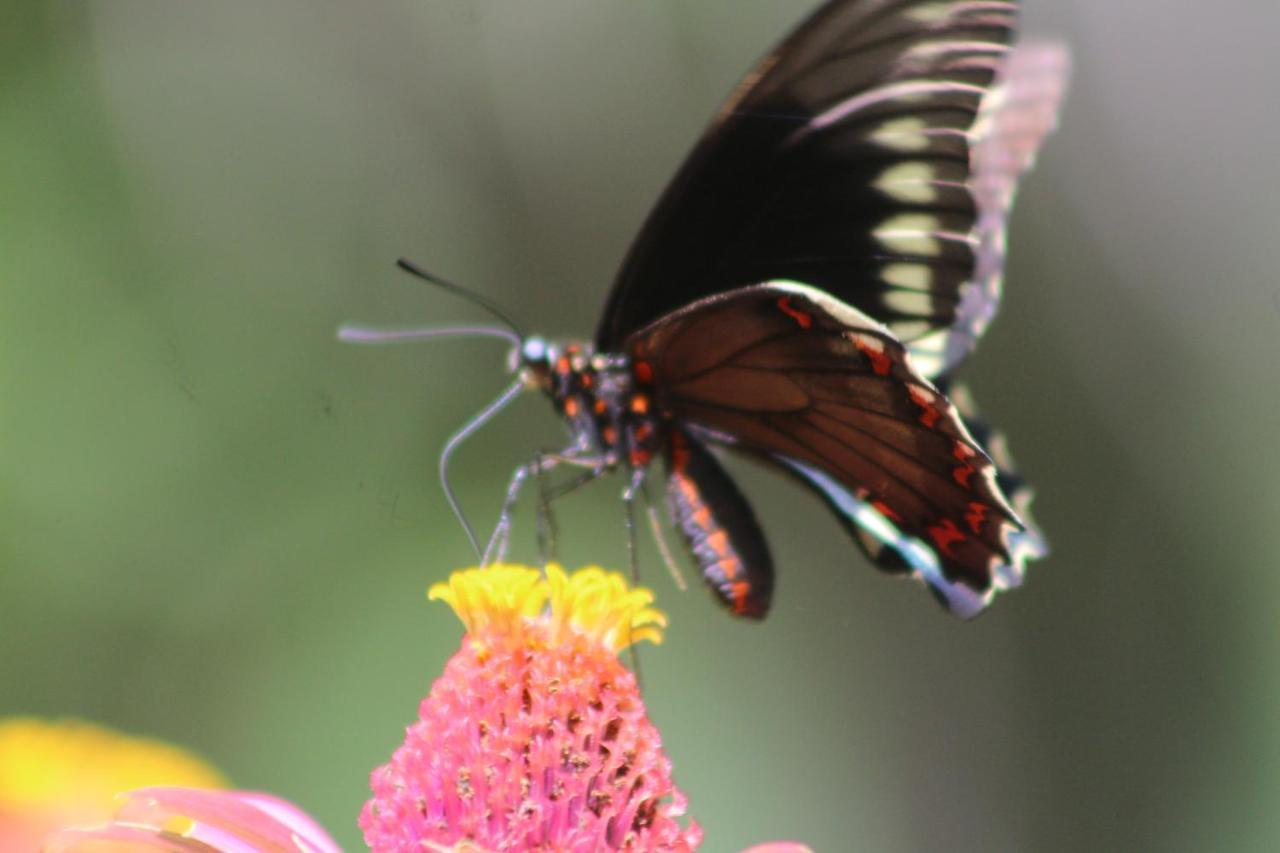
(634, 487)
(576, 455)
(595, 465)
(496, 550)
(660, 539)
(543, 519)
(551, 494)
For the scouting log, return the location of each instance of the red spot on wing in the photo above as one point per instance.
(924, 399)
(640, 458)
(643, 371)
(976, 515)
(946, 534)
(740, 592)
(803, 318)
(962, 472)
(873, 349)
(887, 511)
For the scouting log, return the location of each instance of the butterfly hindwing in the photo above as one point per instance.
(893, 551)
(783, 370)
(1030, 542)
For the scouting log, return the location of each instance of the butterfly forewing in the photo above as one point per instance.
(1015, 118)
(782, 370)
(844, 161)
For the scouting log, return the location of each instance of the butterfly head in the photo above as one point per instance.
(550, 366)
(532, 360)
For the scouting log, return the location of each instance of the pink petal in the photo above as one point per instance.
(228, 821)
(306, 831)
(779, 847)
(115, 837)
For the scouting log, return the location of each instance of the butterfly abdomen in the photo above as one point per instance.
(719, 527)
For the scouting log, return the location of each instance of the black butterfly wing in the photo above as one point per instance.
(844, 160)
(895, 552)
(1014, 120)
(786, 372)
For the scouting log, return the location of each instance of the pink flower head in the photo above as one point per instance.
(535, 737)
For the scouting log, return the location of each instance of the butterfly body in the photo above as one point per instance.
(608, 413)
(802, 293)
(615, 416)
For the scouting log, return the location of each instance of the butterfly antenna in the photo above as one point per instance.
(467, 430)
(457, 289)
(353, 333)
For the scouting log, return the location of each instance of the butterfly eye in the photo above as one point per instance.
(533, 350)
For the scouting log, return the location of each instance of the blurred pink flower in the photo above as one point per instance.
(57, 773)
(534, 738)
(189, 819)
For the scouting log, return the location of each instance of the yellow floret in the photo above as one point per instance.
(506, 599)
(602, 605)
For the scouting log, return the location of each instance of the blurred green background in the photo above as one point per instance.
(218, 523)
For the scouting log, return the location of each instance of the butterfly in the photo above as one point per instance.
(802, 293)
